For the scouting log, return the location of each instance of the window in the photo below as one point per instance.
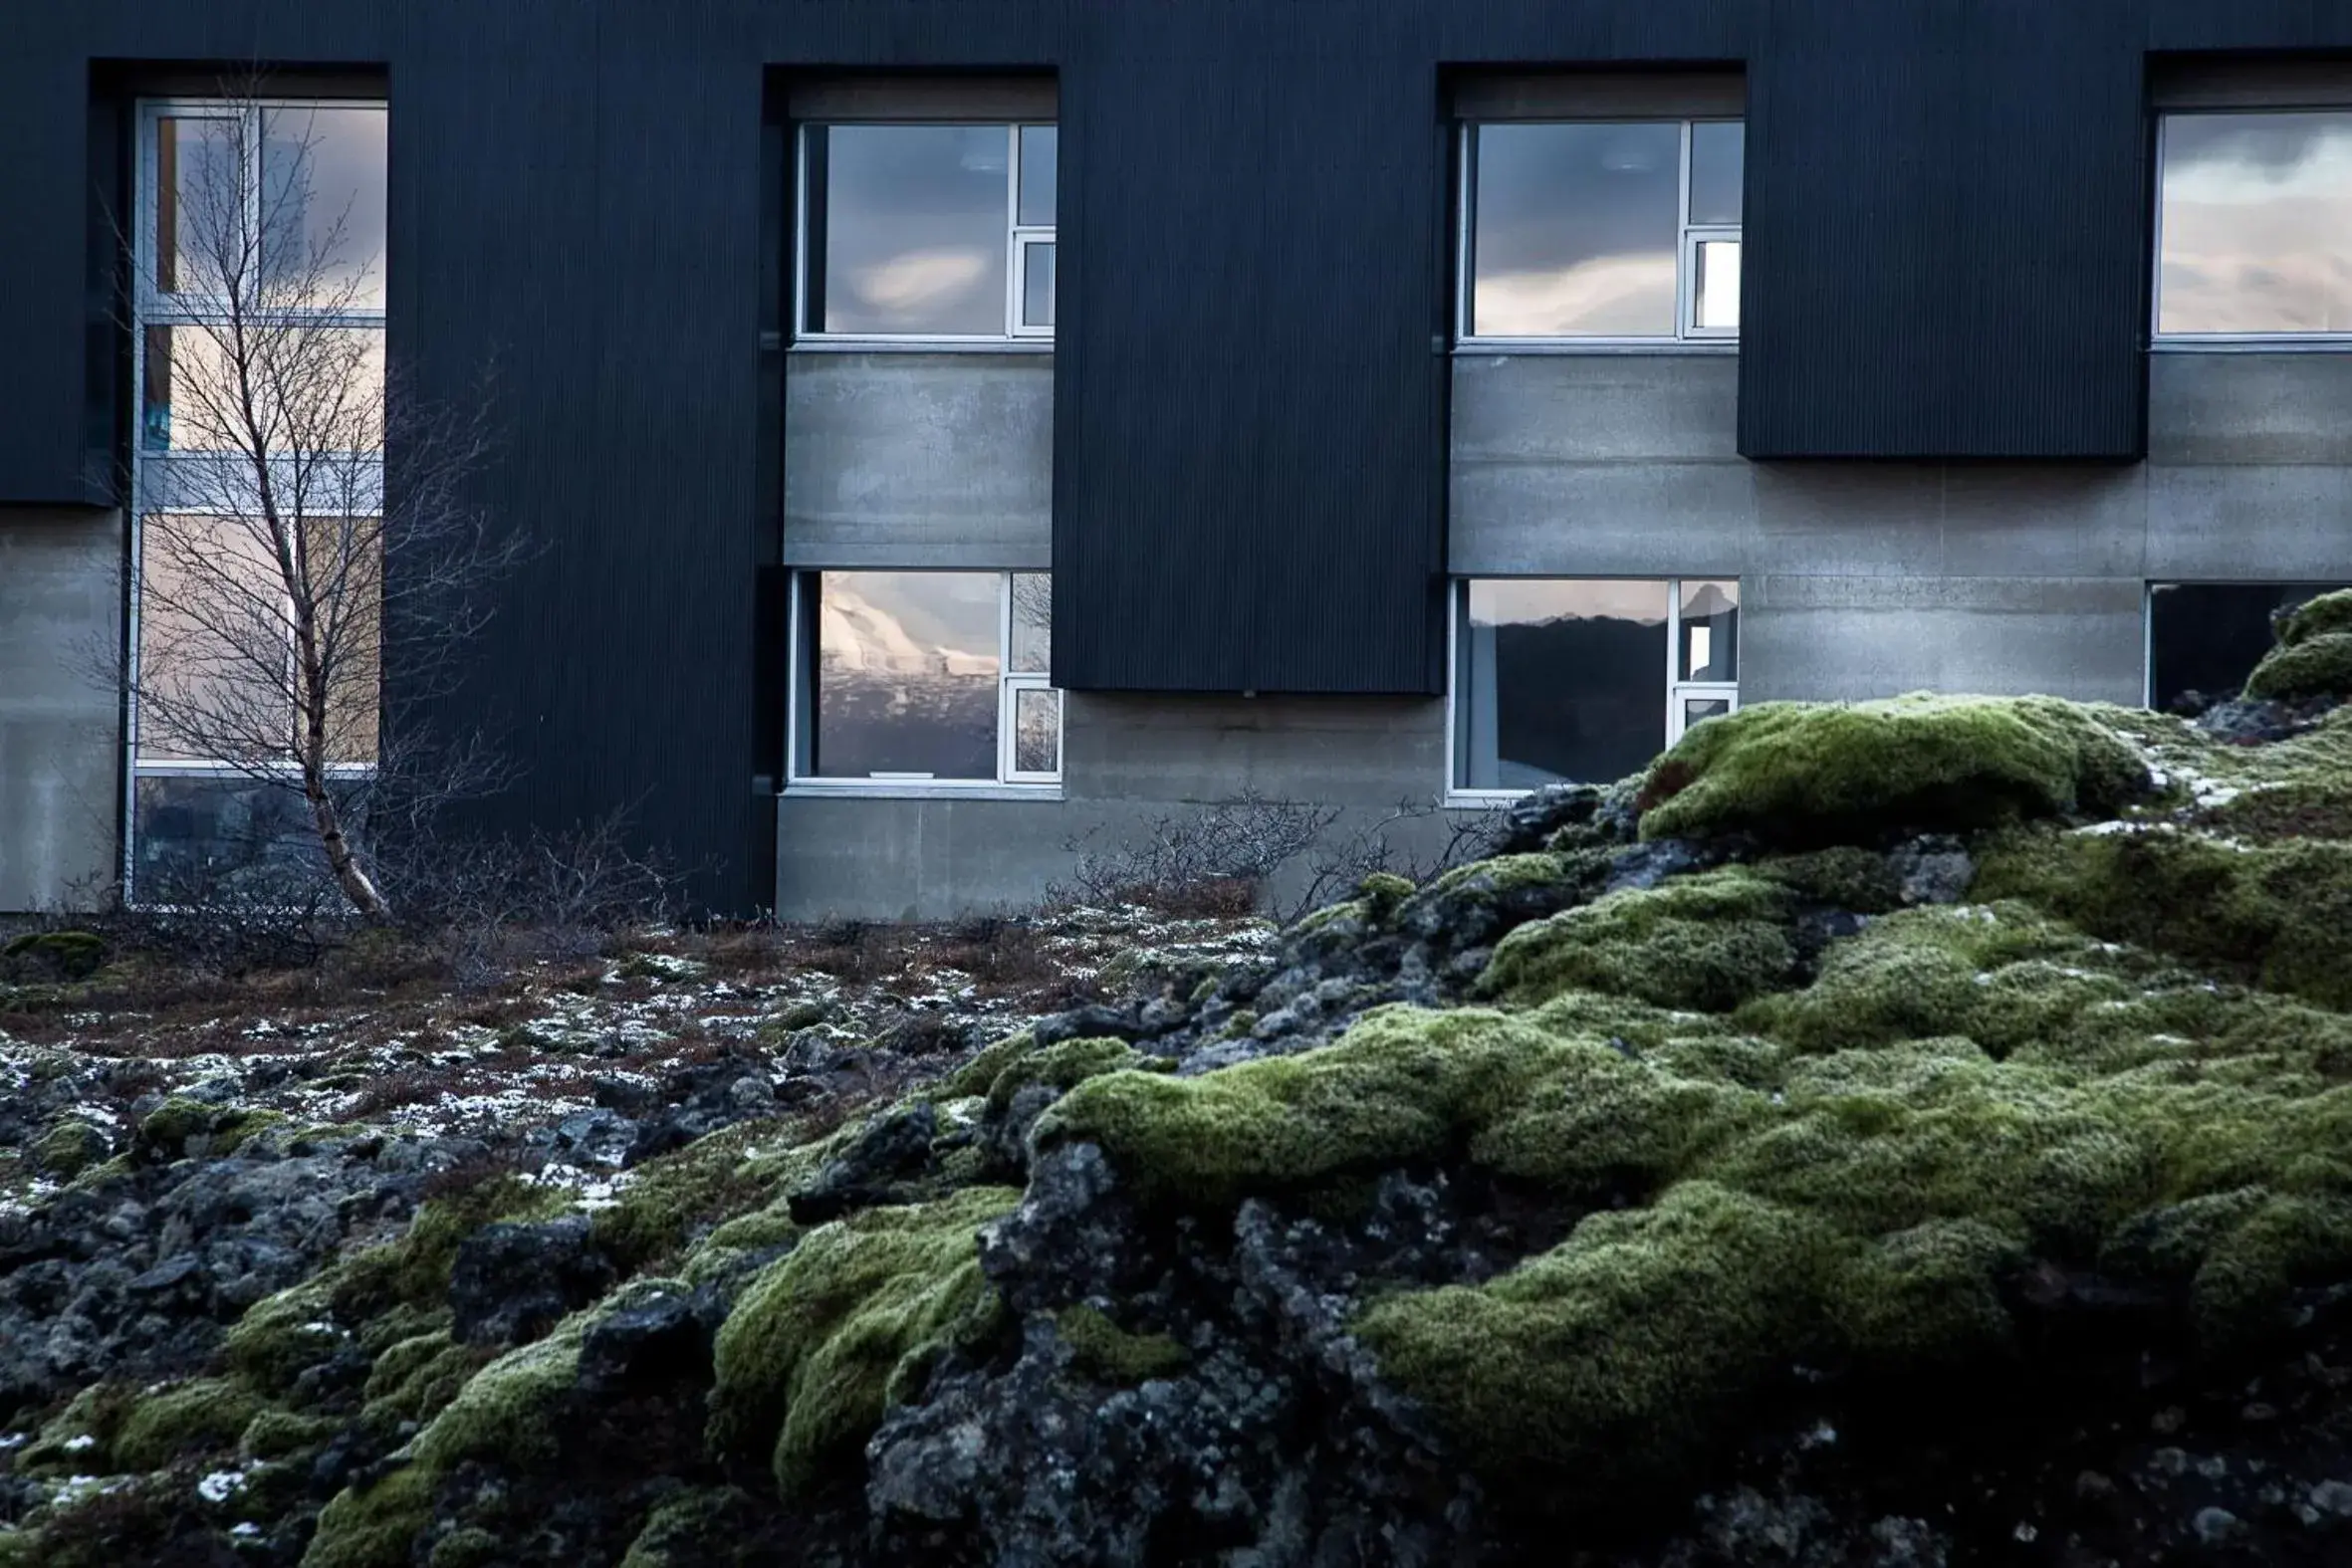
(929, 232)
(923, 681)
(1601, 232)
(2204, 638)
(2255, 226)
(1583, 679)
(258, 430)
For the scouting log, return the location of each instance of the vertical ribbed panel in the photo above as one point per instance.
(1249, 397)
(45, 202)
(1947, 232)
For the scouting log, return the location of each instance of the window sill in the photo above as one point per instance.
(1032, 346)
(939, 790)
(1504, 346)
(2250, 343)
(1482, 800)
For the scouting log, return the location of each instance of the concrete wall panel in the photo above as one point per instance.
(61, 613)
(918, 459)
(1831, 637)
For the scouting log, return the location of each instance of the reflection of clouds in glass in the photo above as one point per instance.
(915, 226)
(1575, 230)
(909, 622)
(2256, 224)
(1612, 295)
(923, 284)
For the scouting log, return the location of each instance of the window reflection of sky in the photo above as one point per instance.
(2256, 224)
(1576, 230)
(915, 229)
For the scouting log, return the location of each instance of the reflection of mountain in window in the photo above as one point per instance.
(906, 675)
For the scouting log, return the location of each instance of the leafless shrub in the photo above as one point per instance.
(1214, 860)
(488, 905)
(1231, 857)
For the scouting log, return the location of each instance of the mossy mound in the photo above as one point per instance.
(2318, 666)
(62, 955)
(2276, 915)
(1810, 775)
(846, 1325)
(1707, 943)
(1751, 1203)
(2325, 615)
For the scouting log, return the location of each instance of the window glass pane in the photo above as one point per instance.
(1716, 291)
(345, 566)
(1039, 175)
(2257, 223)
(304, 388)
(914, 224)
(1576, 230)
(1033, 622)
(1037, 730)
(196, 189)
(198, 837)
(2204, 638)
(1696, 710)
(323, 206)
(1710, 631)
(214, 642)
(1036, 285)
(1559, 680)
(1718, 152)
(906, 672)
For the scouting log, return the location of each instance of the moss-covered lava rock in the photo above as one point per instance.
(1847, 773)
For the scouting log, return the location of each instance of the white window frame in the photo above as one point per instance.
(179, 482)
(1008, 784)
(2226, 342)
(1018, 238)
(1687, 334)
(1677, 689)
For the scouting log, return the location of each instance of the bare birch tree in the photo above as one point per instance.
(280, 573)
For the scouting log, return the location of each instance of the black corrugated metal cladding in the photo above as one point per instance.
(1945, 227)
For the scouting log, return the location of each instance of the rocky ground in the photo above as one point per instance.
(1914, 1133)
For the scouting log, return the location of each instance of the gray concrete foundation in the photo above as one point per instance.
(61, 618)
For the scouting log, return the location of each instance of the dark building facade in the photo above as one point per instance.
(952, 427)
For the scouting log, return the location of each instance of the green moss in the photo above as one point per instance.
(2276, 915)
(827, 1337)
(72, 955)
(80, 1439)
(281, 1434)
(2000, 974)
(706, 1528)
(416, 1377)
(1382, 893)
(69, 1147)
(468, 1547)
(1812, 775)
(414, 1269)
(2320, 666)
(679, 1195)
(1604, 1359)
(2317, 617)
(373, 1526)
(1066, 1067)
(190, 1129)
(193, 1419)
(1844, 877)
(1579, 872)
(1706, 942)
(282, 1337)
(1110, 1354)
(974, 1076)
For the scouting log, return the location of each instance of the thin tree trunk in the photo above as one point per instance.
(349, 876)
